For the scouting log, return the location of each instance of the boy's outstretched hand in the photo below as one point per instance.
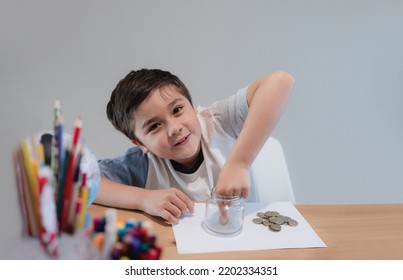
(169, 204)
(233, 181)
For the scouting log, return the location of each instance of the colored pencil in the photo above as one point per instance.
(84, 193)
(68, 181)
(75, 191)
(57, 143)
(32, 182)
(22, 193)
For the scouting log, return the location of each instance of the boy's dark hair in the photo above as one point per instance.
(132, 90)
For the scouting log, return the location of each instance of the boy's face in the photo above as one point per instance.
(167, 125)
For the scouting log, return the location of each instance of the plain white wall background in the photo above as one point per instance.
(341, 132)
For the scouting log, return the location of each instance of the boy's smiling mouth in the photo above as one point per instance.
(182, 141)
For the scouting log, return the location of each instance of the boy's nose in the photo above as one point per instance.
(174, 129)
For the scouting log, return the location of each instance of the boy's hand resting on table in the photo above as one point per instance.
(169, 204)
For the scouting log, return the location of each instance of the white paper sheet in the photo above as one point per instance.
(191, 237)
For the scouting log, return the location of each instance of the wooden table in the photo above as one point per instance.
(351, 232)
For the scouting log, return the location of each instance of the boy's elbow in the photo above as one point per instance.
(279, 83)
(281, 78)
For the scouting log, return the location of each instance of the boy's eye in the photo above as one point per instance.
(177, 109)
(153, 127)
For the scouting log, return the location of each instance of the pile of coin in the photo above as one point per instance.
(273, 220)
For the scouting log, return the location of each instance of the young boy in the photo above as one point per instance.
(182, 153)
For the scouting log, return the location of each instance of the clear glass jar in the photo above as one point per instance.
(224, 214)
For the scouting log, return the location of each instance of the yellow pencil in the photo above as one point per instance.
(32, 180)
(84, 193)
(41, 154)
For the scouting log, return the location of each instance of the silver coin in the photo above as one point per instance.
(275, 227)
(276, 220)
(292, 223)
(257, 221)
(223, 220)
(280, 220)
(272, 213)
(267, 223)
(286, 219)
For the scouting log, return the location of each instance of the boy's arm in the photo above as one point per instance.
(267, 98)
(169, 204)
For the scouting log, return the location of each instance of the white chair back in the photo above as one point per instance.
(269, 174)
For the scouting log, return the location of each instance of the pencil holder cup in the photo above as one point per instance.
(224, 215)
(56, 182)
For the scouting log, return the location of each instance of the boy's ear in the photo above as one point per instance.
(141, 146)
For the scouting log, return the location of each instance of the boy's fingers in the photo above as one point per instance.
(223, 213)
(184, 201)
(169, 217)
(174, 209)
(235, 191)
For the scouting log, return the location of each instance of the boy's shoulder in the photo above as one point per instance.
(226, 116)
(130, 168)
(130, 154)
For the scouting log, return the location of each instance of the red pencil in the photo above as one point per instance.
(68, 181)
(76, 134)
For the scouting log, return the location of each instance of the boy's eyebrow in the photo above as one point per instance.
(147, 122)
(153, 119)
(173, 102)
